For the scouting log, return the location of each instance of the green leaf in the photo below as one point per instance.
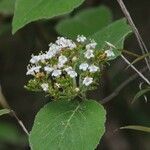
(27, 11)
(139, 128)
(4, 111)
(68, 125)
(140, 93)
(86, 22)
(7, 6)
(115, 34)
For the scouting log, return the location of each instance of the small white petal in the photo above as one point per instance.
(42, 57)
(68, 69)
(53, 50)
(65, 43)
(62, 59)
(60, 65)
(34, 59)
(56, 73)
(83, 66)
(48, 69)
(32, 70)
(87, 81)
(93, 68)
(44, 87)
(91, 45)
(81, 38)
(72, 74)
(89, 54)
(109, 53)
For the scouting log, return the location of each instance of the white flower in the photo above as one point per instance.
(48, 69)
(109, 53)
(93, 68)
(68, 69)
(83, 66)
(62, 59)
(56, 73)
(34, 59)
(53, 50)
(42, 57)
(89, 54)
(59, 65)
(65, 43)
(44, 87)
(72, 73)
(91, 45)
(87, 81)
(32, 70)
(81, 38)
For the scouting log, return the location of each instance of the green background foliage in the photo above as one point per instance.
(7, 6)
(86, 22)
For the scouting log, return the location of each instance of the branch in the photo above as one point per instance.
(122, 85)
(4, 104)
(137, 71)
(135, 30)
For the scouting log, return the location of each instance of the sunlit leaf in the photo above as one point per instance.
(68, 125)
(115, 34)
(27, 11)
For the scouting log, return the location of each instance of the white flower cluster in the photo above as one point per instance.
(61, 61)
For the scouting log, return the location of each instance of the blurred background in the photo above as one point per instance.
(16, 50)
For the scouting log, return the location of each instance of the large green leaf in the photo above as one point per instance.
(85, 23)
(68, 125)
(7, 6)
(4, 111)
(27, 11)
(114, 33)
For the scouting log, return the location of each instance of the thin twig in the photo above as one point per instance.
(20, 122)
(136, 70)
(135, 30)
(122, 85)
(5, 104)
(130, 53)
